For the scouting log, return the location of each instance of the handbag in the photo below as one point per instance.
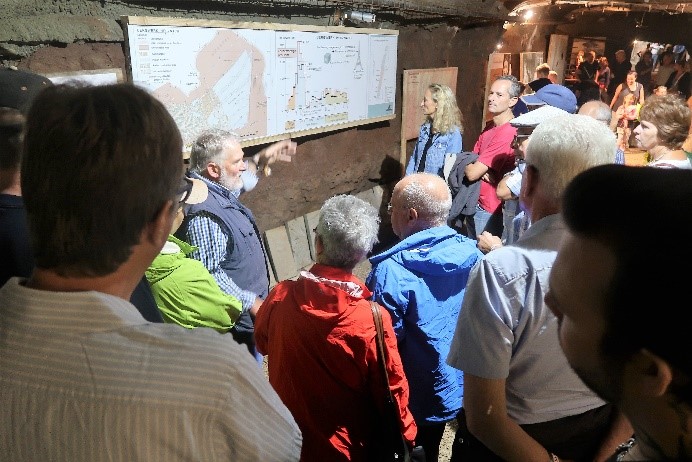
(392, 446)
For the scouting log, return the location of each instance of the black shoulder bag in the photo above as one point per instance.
(392, 447)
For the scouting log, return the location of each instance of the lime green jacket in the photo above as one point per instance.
(186, 293)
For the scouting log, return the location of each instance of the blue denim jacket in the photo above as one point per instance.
(442, 144)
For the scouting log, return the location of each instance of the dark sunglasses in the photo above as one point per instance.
(184, 190)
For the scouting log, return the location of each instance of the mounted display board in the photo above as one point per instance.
(263, 81)
(528, 62)
(415, 82)
(498, 64)
(557, 55)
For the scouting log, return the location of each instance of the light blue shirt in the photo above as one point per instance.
(505, 330)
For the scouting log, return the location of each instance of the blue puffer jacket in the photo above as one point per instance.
(421, 281)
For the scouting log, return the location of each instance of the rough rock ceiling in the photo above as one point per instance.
(558, 10)
(469, 11)
(564, 9)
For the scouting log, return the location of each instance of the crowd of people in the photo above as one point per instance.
(136, 304)
(626, 88)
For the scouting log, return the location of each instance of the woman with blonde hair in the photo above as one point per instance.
(440, 134)
(664, 127)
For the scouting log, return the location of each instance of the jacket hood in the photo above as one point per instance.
(433, 251)
(169, 259)
(329, 293)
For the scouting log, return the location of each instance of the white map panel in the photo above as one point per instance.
(382, 75)
(262, 83)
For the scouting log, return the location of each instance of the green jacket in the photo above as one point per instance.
(186, 293)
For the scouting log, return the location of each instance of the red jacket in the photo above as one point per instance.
(319, 335)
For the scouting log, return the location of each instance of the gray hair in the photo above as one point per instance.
(515, 87)
(565, 146)
(209, 147)
(348, 228)
(598, 110)
(421, 193)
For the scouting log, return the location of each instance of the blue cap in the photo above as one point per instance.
(537, 116)
(554, 95)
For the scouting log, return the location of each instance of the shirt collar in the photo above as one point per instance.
(216, 187)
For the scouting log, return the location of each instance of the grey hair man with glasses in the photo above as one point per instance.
(522, 401)
(224, 230)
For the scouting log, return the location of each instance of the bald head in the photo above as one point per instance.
(428, 195)
(597, 110)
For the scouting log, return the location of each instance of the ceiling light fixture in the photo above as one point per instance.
(359, 16)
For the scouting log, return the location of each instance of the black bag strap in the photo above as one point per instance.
(381, 355)
(428, 143)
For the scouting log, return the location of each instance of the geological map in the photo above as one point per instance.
(261, 83)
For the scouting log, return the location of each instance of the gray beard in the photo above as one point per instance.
(228, 182)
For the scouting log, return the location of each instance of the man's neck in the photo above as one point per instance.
(51, 281)
(503, 117)
(541, 207)
(119, 283)
(661, 433)
(10, 182)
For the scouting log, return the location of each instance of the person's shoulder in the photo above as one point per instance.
(187, 342)
(506, 129)
(200, 361)
(280, 290)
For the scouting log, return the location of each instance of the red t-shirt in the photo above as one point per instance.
(494, 148)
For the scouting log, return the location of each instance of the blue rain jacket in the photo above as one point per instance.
(421, 281)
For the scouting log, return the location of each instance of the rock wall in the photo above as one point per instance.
(62, 35)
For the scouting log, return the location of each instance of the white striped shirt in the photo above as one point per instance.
(83, 377)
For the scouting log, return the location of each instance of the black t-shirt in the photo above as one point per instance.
(587, 70)
(539, 83)
(618, 72)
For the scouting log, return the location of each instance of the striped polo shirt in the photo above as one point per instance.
(83, 377)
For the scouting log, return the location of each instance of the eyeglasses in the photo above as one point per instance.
(185, 190)
(517, 140)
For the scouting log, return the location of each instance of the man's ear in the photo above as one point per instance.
(412, 214)
(530, 180)
(649, 374)
(213, 171)
(157, 230)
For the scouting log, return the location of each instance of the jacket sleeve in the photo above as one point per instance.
(384, 285)
(261, 332)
